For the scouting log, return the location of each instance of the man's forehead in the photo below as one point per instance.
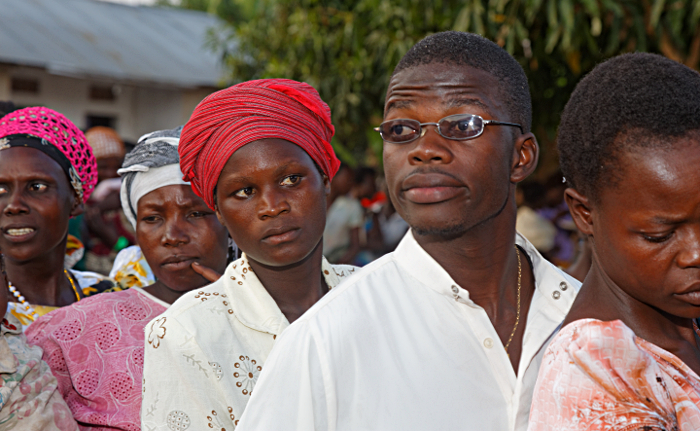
(449, 86)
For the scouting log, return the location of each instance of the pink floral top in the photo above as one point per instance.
(600, 376)
(95, 349)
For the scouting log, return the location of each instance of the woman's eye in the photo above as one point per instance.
(291, 180)
(245, 192)
(150, 219)
(38, 187)
(199, 214)
(3, 190)
(658, 239)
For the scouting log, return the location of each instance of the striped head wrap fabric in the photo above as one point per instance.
(55, 135)
(253, 110)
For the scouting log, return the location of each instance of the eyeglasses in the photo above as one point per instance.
(456, 127)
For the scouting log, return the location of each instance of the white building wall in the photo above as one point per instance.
(138, 109)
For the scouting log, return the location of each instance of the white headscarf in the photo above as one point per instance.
(152, 164)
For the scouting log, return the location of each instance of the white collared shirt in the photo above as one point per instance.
(399, 346)
(204, 354)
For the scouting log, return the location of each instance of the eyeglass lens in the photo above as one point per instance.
(462, 126)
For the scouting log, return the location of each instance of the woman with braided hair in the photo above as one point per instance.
(47, 172)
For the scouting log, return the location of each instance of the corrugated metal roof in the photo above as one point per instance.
(94, 38)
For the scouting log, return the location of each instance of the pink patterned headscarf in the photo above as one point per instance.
(19, 128)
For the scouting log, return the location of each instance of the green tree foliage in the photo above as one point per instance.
(347, 49)
(232, 11)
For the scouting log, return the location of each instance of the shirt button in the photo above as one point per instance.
(488, 343)
(563, 286)
(455, 289)
(556, 294)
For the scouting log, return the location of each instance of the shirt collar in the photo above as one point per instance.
(252, 304)
(558, 288)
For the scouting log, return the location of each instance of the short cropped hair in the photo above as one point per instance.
(637, 100)
(468, 49)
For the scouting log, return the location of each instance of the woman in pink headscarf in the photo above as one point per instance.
(259, 154)
(47, 172)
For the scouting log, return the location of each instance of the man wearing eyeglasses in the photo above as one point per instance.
(448, 331)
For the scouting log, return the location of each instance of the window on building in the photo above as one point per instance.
(25, 85)
(100, 120)
(103, 93)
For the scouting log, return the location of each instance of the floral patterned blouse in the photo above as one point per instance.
(131, 269)
(600, 376)
(29, 398)
(95, 349)
(203, 355)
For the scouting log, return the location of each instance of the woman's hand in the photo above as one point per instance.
(206, 272)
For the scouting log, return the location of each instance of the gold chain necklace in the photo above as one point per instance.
(517, 315)
(77, 295)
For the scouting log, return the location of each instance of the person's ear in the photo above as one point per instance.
(580, 208)
(218, 215)
(326, 184)
(77, 208)
(526, 151)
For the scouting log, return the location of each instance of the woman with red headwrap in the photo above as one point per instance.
(259, 154)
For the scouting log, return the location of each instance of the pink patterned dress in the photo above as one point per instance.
(95, 349)
(600, 376)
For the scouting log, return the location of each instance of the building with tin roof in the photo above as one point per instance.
(133, 68)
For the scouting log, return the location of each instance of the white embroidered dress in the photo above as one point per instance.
(203, 355)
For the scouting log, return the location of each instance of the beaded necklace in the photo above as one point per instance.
(28, 308)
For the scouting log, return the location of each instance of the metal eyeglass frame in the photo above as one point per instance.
(437, 126)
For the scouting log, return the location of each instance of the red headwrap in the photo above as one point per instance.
(266, 108)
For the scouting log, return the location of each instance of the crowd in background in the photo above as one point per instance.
(362, 224)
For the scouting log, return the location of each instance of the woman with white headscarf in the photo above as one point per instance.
(95, 347)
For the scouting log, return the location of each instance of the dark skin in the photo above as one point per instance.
(459, 196)
(35, 194)
(107, 167)
(176, 229)
(645, 235)
(275, 210)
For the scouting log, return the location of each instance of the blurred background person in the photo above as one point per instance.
(105, 230)
(384, 227)
(541, 220)
(554, 208)
(537, 229)
(345, 218)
